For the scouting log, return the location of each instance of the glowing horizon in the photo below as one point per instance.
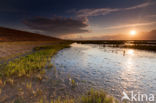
(133, 32)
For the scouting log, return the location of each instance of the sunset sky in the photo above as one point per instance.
(80, 19)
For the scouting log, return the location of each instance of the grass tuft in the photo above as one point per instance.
(59, 100)
(97, 97)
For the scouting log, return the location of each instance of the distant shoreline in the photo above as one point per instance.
(149, 45)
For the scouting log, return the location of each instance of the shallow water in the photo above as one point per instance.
(112, 69)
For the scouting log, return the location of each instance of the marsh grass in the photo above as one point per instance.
(73, 83)
(94, 96)
(63, 101)
(29, 85)
(148, 45)
(32, 63)
(142, 47)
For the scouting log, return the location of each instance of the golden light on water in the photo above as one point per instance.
(130, 52)
(132, 32)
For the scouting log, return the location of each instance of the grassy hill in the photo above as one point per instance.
(7, 34)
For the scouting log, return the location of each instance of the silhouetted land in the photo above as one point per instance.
(117, 41)
(7, 34)
(149, 45)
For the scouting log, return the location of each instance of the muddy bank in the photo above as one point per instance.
(10, 50)
(47, 86)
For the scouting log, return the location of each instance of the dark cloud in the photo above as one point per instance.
(57, 25)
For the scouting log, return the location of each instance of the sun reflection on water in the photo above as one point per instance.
(130, 52)
(128, 70)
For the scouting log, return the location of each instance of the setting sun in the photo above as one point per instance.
(132, 32)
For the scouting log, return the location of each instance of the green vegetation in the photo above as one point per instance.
(67, 100)
(32, 63)
(97, 97)
(73, 83)
(93, 96)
